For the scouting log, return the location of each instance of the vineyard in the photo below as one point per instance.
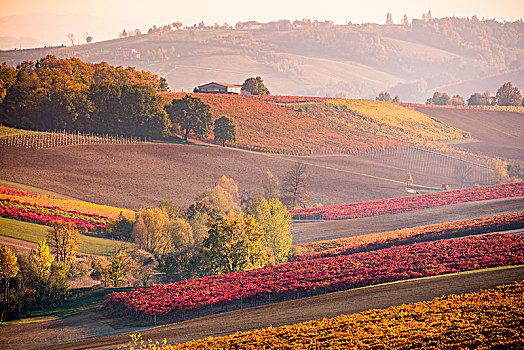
(381, 240)
(41, 209)
(415, 159)
(47, 139)
(208, 295)
(310, 125)
(409, 203)
(484, 320)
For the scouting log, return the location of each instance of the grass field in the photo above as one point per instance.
(34, 233)
(6, 131)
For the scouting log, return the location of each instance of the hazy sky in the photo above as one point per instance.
(148, 12)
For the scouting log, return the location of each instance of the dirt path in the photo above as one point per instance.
(358, 300)
(316, 231)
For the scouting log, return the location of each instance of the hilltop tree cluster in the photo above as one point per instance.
(69, 94)
(190, 115)
(507, 95)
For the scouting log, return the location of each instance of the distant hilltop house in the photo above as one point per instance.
(221, 88)
(126, 53)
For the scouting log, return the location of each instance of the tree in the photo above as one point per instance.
(116, 271)
(439, 98)
(507, 95)
(120, 228)
(396, 99)
(462, 171)
(8, 269)
(275, 221)
(234, 245)
(271, 186)
(192, 115)
(225, 130)
(389, 19)
(383, 96)
(294, 191)
(177, 25)
(7, 79)
(71, 37)
(405, 21)
(475, 99)
(229, 185)
(457, 100)
(409, 179)
(138, 31)
(42, 260)
(151, 231)
(499, 171)
(64, 237)
(255, 86)
(221, 201)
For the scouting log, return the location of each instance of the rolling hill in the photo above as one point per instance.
(354, 60)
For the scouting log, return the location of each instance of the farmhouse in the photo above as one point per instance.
(220, 88)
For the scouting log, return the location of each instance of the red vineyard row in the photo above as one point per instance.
(325, 274)
(48, 215)
(381, 240)
(409, 203)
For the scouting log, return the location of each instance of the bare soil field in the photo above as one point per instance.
(304, 232)
(60, 334)
(499, 133)
(132, 176)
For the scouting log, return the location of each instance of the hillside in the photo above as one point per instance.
(132, 176)
(499, 133)
(325, 125)
(317, 58)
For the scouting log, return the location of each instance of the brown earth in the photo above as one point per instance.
(304, 232)
(59, 334)
(132, 176)
(499, 132)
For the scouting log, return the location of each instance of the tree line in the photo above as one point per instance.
(507, 95)
(69, 94)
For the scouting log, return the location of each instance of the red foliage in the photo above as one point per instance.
(381, 240)
(327, 274)
(409, 203)
(267, 126)
(47, 215)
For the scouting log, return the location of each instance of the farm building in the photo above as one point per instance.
(220, 88)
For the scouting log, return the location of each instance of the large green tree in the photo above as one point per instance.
(191, 115)
(507, 95)
(275, 221)
(255, 86)
(225, 130)
(234, 245)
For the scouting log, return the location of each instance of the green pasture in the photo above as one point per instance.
(35, 233)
